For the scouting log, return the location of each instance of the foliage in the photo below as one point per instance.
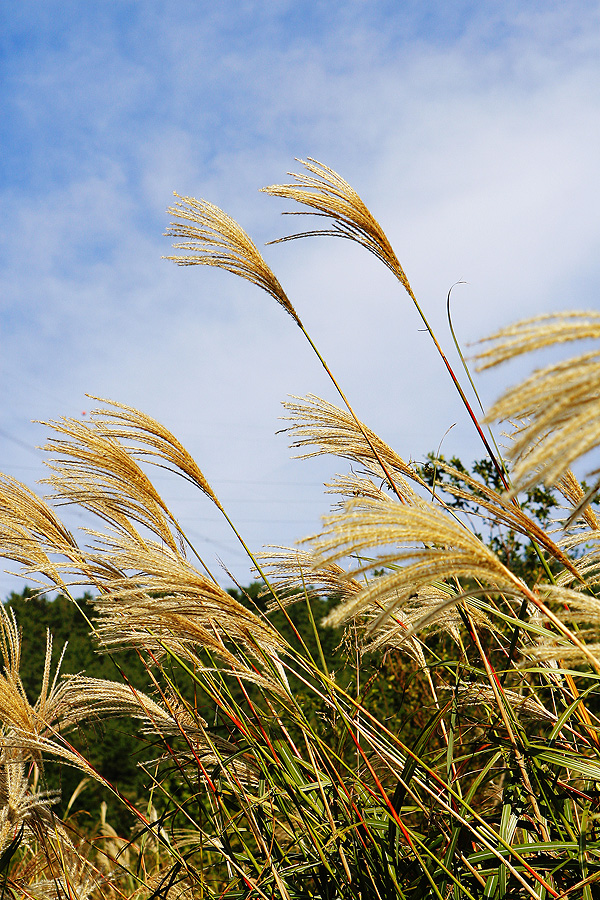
(283, 764)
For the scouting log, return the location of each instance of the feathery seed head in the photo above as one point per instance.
(93, 469)
(429, 604)
(292, 571)
(331, 430)
(421, 545)
(32, 535)
(154, 598)
(29, 732)
(559, 403)
(215, 239)
(475, 695)
(571, 489)
(146, 437)
(326, 192)
(20, 805)
(579, 607)
(499, 508)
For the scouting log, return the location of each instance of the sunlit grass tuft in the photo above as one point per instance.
(399, 710)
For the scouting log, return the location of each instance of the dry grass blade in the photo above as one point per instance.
(215, 239)
(326, 192)
(331, 430)
(559, 403)
(393, 535)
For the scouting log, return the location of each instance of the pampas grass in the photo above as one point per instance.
(279, 764)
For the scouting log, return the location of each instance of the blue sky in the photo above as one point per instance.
(470, 129)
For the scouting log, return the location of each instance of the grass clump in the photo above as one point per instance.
(401, 708)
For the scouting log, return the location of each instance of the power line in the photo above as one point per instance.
(29, 447)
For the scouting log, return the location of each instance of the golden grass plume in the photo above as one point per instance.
(560, 403)
(213, 238)
(155, 599)
(331, 430)
(32, 535)
(420, 545)
(93, 469)
(329, 196)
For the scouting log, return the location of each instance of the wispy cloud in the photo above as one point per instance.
(470, 130)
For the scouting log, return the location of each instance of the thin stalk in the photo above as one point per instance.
(501, 702)
(363, 431)
(381, 728)
(457, 385)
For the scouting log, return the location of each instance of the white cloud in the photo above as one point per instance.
(477, 153)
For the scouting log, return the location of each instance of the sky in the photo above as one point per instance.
(471, 130)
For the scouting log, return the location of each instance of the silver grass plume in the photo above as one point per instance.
(400, 628)
(328, 429)
(421, 545)
(86, 699)
(33, 731)
(501, 509)
(354, 486)
(147, 438)
(212, 238)
(21, 805)
(28, 733)
(577, 607)
(329, 196)
(32, 535)
(154, 598)
(583, 536)
(475, 695)
(81, 698)
(17, 714)
(93, 469)
(294, 573)
(559, 403)
(95, 466)
(572, 490)
(68, 875)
